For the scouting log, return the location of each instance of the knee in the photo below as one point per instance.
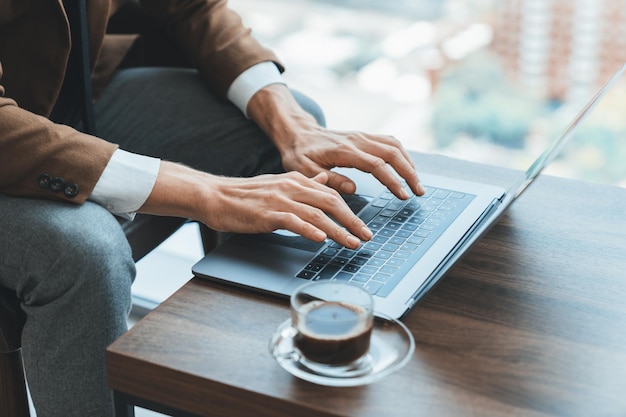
(87, 257)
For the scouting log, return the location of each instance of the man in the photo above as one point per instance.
(63, 252)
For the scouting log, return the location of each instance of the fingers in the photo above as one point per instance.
(315, 225)
(266, 203)
(320, 206)
(376, 154)
(391, 152)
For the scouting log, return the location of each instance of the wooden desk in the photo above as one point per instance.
(531, 323)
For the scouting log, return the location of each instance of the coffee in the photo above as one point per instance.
(333, 332)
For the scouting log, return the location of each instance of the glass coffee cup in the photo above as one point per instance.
(333, 323)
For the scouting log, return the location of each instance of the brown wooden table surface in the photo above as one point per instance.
(532, 322)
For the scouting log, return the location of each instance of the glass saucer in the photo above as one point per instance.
(391, 348)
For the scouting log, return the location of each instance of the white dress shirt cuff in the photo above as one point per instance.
(252, 80)
(126, 183)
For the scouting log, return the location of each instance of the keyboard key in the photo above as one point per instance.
(417, 220)
(393, 225)
(347, 253)
(378, 239)
(383, 255)
(442, 194)
(306, 274)
(366, 253)
(376, 262)
(373, 287)
(372, 246)
(328, 272)
(370, 270)
(330, 251)
(381, 277)
(434, 221)
(361, 277)
(388, 269)
(343, 276)
(321, 259)
(413, 204)
(339, 261)
(314, 267)
(403, 233)
(402, 254)
(358, 261)
(373, 226)
(409, 247)
(388, 213)
(389, 247)
(395, 262)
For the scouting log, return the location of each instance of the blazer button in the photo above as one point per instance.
(57, 184)
(71, 190)
(44, 180)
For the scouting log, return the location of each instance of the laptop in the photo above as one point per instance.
(415, 241)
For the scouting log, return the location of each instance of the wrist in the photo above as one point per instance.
(278, 114)
(178, 191)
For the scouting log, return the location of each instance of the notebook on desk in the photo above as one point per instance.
(415, 241)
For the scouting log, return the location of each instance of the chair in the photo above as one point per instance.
(144, 234)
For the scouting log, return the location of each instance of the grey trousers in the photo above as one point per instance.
(71, 266)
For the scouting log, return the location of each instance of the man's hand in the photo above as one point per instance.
(259, 204)
(311, 149)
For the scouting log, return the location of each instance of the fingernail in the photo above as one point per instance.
(366, 233)
(347, 187)
(420, 188)
(353, 241)
(320, 236)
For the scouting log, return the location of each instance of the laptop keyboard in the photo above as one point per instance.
(403, 232)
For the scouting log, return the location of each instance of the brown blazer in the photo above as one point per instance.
(34, 47)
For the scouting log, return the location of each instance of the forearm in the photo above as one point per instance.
(178, 191)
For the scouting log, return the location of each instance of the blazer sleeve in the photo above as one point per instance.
(39, 158)
(212, 37)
